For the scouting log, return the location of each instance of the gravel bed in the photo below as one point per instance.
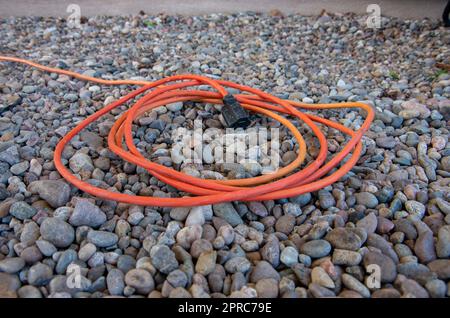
(389, 216)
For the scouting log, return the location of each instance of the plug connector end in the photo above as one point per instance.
(234, 114)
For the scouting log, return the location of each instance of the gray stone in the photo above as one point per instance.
(87, 213)
(412, 270)
(320, 276)
(441, 267)
(345, 257)
(5, 206)
(102, 238)
(386, 142)
(436, 288)
(263, 270)
(22, 210)
(368, 223)
(179, 292)
(115, 281)
(424, 247)
(270, 252)
(292, 209)
(316, 248)
(46, 248)
(319, 291)
(179, 213)
(163, 259)
(29, 291)
(344, 238)
(353, 284)
(379, 242)
(141, 280)
(86, 252)
(66, 258)
(406, 227)
(20, 168)
(177, 278)
(57, 232)
(289, 256)
(39, 274)
(302, 199)
(10, 155)
(206, 263)
(81, 161)
(386, 293)
(227, 212)
(125, 263)
(326, 200)
(195, 217)
(12, 265)
(367, 199)
(267, 288)
(30, 233)
(175, 107)
(237, 264)
(55, 192)
(285, 224)
(258, 208)
(415, 208)
(443, 205)
(410, 288)
(443, 242)
(29, 89)
(9, 284)
(70, 97)
(4, 194)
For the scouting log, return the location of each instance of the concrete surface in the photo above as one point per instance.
(399, 8)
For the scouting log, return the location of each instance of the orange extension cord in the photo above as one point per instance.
(173, 89)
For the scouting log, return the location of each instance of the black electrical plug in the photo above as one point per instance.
(234, 114)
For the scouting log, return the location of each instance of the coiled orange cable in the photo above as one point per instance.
(172, 89)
